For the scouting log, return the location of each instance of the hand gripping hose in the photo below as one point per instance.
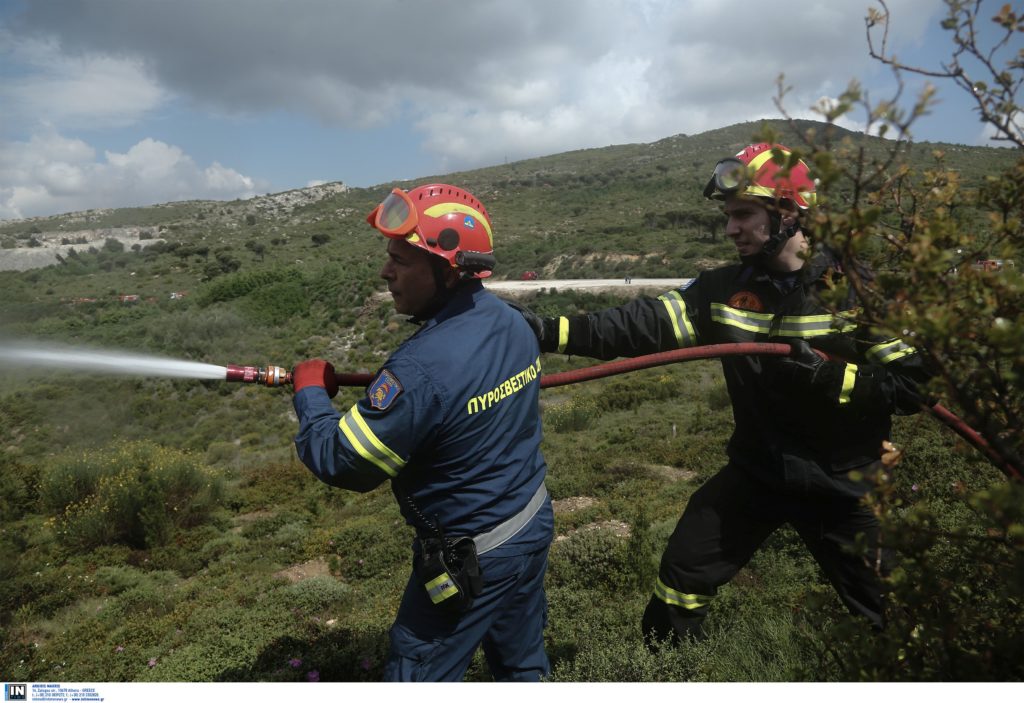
(714, 351)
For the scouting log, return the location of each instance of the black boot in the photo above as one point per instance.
(662, 621)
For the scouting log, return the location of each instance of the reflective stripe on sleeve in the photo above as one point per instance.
(849, 380)
(563, 333)
(890, 351)
(785, 326)
(681, 325)
(364, 441)
(690, 601)
(813, 325)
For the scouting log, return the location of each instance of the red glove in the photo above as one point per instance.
(315, 372)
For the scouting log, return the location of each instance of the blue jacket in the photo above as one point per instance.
(451, 418)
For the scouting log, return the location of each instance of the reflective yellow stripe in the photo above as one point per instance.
(441, 588)
(813, 325)
(681, 325)
(364, 441)
(890, 351)
(788, 325)
(445, 208)
(758, 161)
(563, 333)
(849, 379)
(744, 319)
(690, 601)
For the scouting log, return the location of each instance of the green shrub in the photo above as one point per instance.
(628, 392)
(134, 493)
(237, 285)
(316, 595)
(571, 416)
(591, 558)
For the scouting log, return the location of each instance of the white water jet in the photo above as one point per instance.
(28, 355)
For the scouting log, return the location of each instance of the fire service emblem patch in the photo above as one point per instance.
(745, 300)
(383, 391)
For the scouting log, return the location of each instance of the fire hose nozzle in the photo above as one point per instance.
(265, 376)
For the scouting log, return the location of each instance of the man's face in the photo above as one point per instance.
(748, 226)
(410, 277)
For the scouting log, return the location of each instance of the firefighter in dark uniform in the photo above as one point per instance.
(802, 424)
(452, 421)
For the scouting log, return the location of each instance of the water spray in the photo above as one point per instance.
(108, 362)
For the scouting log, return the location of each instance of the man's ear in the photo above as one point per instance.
(451, 277)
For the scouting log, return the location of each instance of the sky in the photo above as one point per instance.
(116, 103)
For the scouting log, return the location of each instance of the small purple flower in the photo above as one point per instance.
(365, 664)
(914, 488)
(294, 663)
(152, 662)
(313, 676)
(118, 649)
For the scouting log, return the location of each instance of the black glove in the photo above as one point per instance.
(802, 367)
(532, 319)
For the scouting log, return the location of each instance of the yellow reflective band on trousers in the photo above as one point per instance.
(563, 333)
(441, 588)
(364, 441)
(681, 326)
(890, 351)
(786, 326)
(849, 379)
(690, 601)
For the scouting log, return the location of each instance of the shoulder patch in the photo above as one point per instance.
(384, 389)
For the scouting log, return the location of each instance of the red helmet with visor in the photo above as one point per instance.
(764, 171)
(445, 221)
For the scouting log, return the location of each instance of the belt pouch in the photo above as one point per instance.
(450, 572)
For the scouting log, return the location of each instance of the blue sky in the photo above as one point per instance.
(112, 103)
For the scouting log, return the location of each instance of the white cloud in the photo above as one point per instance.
(81, 89)
(480, 81)
(51, 173)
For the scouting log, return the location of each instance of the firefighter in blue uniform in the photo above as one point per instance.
(802, 424)
(452, 421)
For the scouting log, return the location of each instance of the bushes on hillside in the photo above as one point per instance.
(133, 493)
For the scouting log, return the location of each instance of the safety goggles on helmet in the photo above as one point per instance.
(755, 172)
(730, 176)
(396, 217)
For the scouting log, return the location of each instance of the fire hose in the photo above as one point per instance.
(277, 376)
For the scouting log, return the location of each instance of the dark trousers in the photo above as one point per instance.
(507, 619)
(725, 522)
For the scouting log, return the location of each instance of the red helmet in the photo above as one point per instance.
(755, 172)
(442, 219)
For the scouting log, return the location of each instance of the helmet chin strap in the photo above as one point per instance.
(775, 243)
(442, 293)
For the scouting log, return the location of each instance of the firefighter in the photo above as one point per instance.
(452, 421)
(806, 430)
